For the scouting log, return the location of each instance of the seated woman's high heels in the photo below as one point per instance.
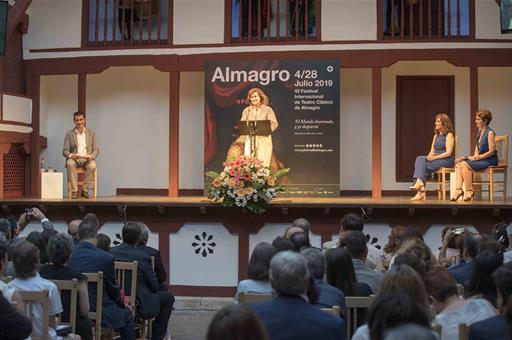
(457, 195)
(470, 195)
(421, 195)
(418, 185)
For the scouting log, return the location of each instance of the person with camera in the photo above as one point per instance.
(451, 248)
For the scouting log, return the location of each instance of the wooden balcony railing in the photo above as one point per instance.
(127, 23)
(252, 21)
(427, 19)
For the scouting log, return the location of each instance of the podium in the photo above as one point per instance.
(253, 128)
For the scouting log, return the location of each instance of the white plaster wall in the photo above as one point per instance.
(494, 89)
(349, 20)
(59, 99)
(128, 108)
(198, 21)
(17, 109)
(54, 23)
(355, 129)
(487, 20)
(191, 130)
(463, 117)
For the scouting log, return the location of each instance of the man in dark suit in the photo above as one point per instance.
(151, 302)
(160, 271)
(496, 328)
(86, 258)
(289, 315)
(329, 296)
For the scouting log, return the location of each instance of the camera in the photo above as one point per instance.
(29, 212)
(457, 230)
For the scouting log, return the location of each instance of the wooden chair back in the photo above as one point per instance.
(250, 298)
(69, 288)
(354, 305)
(37, 301)
(334, 310)
(502, 149)
(126, 277)
(463, 331)
(96, 278)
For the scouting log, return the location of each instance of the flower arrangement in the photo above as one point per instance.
(246, 183)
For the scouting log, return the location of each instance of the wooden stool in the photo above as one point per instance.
(80, 173)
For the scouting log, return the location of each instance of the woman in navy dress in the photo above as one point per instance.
(440, 155)
(483, 157)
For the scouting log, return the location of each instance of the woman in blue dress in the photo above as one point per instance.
(483, 157)
(440, 155)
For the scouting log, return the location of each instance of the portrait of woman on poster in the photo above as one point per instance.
(483, 157)
(440, 155)
(258, 109)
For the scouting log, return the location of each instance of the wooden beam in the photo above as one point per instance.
(174, 136)
(473, 105)
(35, 146)
(16, 14)
(82, 81)
(376, 133)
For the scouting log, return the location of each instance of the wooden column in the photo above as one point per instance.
(35, 144)
(82, 79)
(473, 105)
(376, 133)
(174, 136)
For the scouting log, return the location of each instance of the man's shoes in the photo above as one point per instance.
(74, 195)
(85, 194)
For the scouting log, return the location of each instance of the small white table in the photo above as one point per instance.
(52, 185)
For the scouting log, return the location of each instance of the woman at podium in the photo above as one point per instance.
(257, 111)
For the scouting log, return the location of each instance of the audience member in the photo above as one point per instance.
(355, 242)
(8, 293)
(92, 218)
(350, 222)
(289, 315)
(26, 262)
(390, 310)
(410, 331)
(496, 327)
(103, 242)
(15, 228)
(36, 239)
(37, 214)
(5, 228)
(258, 281)
(303, 224)
(329, 295)
(86, 258)
(340, 273)
(236, 322)
(450, 251)
(487, 242)
(300, 240)
(412, 260)
(395, 237)
(282, 244)
(462, 271)
(161, 273)
(73, 231)
(507, 255)
(13, 325)
(59, 250)
(419, 248)
(481, 283)
(151, 301)
(450, 308)
(290, 231)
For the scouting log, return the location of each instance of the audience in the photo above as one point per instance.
(507, 255)
(86, 258)
(282, 244)
(13, 325)
(151, 302)
(355, 222)
(450, 252)
(451, 309)
(355, 242)
(5, 228)
(258, 281)
(340, 273)
(236, 322)
(73, 230)
(161, 273)
(329, 296)
(462, 271)
(8, 293)
(410, 331)
(103, 242)
(303, 224)
(496, 327)
(26, 263)
(300, 240)
(59, 250)
(289, 315)
(481, 284)
(395, 237)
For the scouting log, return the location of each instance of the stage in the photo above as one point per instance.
(206, 247)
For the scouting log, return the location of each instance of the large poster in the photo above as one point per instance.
(304, 96)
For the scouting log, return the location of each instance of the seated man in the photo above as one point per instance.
(160, 271)
(86, 258)
(26, 264)
(80, 150)
(151, 302)
(289, 315)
